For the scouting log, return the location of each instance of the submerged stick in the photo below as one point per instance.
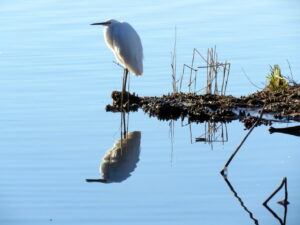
(242, 142)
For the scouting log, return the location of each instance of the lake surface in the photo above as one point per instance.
(57, 76)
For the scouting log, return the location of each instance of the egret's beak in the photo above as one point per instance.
(96, 180)
(102, 23)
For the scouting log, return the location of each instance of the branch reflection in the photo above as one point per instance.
(240, 200)
(214, 132)
(284, 202)
(282, 222)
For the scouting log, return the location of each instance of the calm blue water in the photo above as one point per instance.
(57, 76)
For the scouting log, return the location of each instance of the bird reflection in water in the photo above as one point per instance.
(121, 160)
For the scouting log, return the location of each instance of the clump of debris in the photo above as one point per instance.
(281, 104)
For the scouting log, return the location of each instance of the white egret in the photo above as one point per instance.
(126, 45)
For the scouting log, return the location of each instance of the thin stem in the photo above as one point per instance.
(242, 142)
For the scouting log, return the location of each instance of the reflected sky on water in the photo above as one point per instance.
(57, 76)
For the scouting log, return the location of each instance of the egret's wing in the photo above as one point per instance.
(127, 47)
(108, 37)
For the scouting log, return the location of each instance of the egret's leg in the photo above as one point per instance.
(124, 124)
(124, 80)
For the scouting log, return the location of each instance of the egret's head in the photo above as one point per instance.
(106, 23)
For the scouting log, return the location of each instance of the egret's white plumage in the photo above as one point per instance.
(126, 45)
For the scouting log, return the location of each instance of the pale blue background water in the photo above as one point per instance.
(57, 76)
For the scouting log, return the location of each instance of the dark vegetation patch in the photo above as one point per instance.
(281, 104)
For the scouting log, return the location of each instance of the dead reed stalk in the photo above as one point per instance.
(212, 67)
